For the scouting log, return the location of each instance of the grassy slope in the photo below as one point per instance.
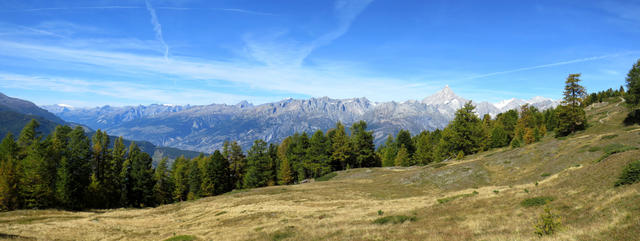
(345, 207)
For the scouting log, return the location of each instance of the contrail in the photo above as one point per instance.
(551, 65)
(158, 29)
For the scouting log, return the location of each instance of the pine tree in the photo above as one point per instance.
(28, 135)
(179, 176)
(257, 163)
(364, 149)
(285, 176)
(632, 97)
(221, 173)
(141, 182)
(424, 147)
(9, 179)
(74, 171)
(389, 152)
(464, 133)
(111, 182)
(162, 189)
(498, 137)
(233, 152)
(318, 155)
(571, 115)
(35, 174)
(195, 180)
(403, 159)
(404, 138)
(342, 152)
(273, 165)
(95, 195)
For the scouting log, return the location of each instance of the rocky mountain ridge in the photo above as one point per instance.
(206, 127)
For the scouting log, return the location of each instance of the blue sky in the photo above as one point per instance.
(89, 53)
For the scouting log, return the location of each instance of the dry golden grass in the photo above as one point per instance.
(345, 207)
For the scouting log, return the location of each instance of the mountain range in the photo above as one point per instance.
(16, 113)
(204, 128)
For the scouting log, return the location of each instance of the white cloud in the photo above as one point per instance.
(277, 49)
(157, 28)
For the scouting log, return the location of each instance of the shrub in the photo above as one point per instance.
(526, 190)
(181, 238)
(326, 177)
(594, 149)
(613, 149)
(546, 174)
(632, 118)
(496, 191)
(448, 199)
(548, 223)
(380, 212)
(395, 219)
(536, 201)
(285, 233)
(630, 174)
(607, 137)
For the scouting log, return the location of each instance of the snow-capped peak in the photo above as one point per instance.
(65, 106)
(504, 103)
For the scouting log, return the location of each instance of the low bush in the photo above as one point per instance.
(613, 149)
(448, 199)
(632, 118)
(630, 174)
(594, 148)
(546, 174)
(326, 177)
(181, 238)
(548, 223)
(536, 201)
(395, 219)
(607, 137)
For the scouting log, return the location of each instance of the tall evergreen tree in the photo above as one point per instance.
(180, 178)
(233, 152)
(257, 163)
(403, 159)
(571, 115)
(74, 171)
(218, 174)
(112, 181)
(632, 96)
(285, 175)
(388, 152)
(195, 180)
(162, 189)
(9, 179)
(364, 149)
(141, 181)
(404, 138)
(424, 149)
(28, 136)
(342, 151)
(318, 161)
(464, 133)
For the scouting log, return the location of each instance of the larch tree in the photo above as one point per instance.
(632, 95)
(571, 114)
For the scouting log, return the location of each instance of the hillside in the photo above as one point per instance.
(479, 198)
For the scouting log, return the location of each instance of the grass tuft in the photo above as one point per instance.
(181, 238)
(630, 174)
(536, 201)
(326, 177)
(615, 148)
(607, 137)
(395, 219)
(449, 199)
